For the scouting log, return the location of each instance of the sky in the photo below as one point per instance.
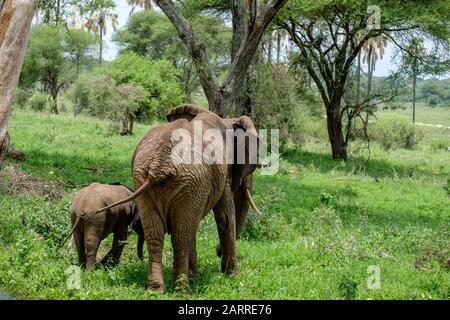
(383, 67)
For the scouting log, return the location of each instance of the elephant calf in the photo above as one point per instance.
(90, 228)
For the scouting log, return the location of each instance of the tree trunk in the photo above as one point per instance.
(221, 98)
(369, 88)
(58, 11)
(15, 23)
(55, 102)
(100, 54)
(335, 134)
(358, 80)
(278, 47)
(414, 95)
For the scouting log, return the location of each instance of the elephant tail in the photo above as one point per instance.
(136, 194)
(77, 220)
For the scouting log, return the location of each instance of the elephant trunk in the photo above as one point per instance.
(251, 202)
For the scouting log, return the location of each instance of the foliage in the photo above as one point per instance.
(79, 46)
(434, 91)
(159, 78)
(149, 33)
(21, 97)
(394, 133)
(280, 103)
(329, 36)
(53, 58)
(39, 102)
(100, 96)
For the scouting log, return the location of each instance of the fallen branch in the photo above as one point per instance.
(113, 250)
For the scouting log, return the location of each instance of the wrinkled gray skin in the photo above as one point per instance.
(89, 232)
(180, 195)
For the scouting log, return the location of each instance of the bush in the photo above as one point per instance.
(393, 133)
(159, 78)
(100, 96)
(21, 98)
(40, 102)
(264, 227)
(434, 101)
(281, 103)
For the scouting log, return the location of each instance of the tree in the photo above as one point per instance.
(328, 38)
(145, 4)
(15, 22)
(159, 78)
(54, 57)
(79, 47)
(415, 52)
(249, 29)
(100, 11)
(100, 96)
(149, 33)
(373, 50)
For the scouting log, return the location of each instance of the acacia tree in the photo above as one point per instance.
(330, 34)
(15, 23)
(248, 28)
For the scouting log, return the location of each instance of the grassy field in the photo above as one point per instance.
(325, 224)
(424, 114)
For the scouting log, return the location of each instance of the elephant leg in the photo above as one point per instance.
(119, 241)
(226, 226)
(79, 243)
(241, 207)
(193, 258)
(140, 246)
(91, 243)
(154, 236)
(182, 244)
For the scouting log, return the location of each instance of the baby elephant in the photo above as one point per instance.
(89, 228)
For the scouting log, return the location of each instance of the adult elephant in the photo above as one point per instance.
(173, 196)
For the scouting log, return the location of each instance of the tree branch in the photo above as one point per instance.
(240, 64)
(207, 76)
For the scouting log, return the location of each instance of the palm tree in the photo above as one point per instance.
(415, 53)
(374, 49)
(100, 11)
(145, 4)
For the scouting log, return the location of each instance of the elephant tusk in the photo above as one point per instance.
(251, 202)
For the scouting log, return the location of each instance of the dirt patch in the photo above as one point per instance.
(15, 182)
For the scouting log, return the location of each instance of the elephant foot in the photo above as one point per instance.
(219, 251)
(182, 285)
(230, 266)
(156, 287)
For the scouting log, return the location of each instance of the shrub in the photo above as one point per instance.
(434, 101)
(393, 133)
(100, 96)
(40, 102)
(159, 78)
(21, 98)
(281, 103)
(264, 227)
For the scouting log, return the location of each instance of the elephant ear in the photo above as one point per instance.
(239, 171)
(185, 111)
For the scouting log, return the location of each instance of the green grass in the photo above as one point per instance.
(424, 114)
(324, 222)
